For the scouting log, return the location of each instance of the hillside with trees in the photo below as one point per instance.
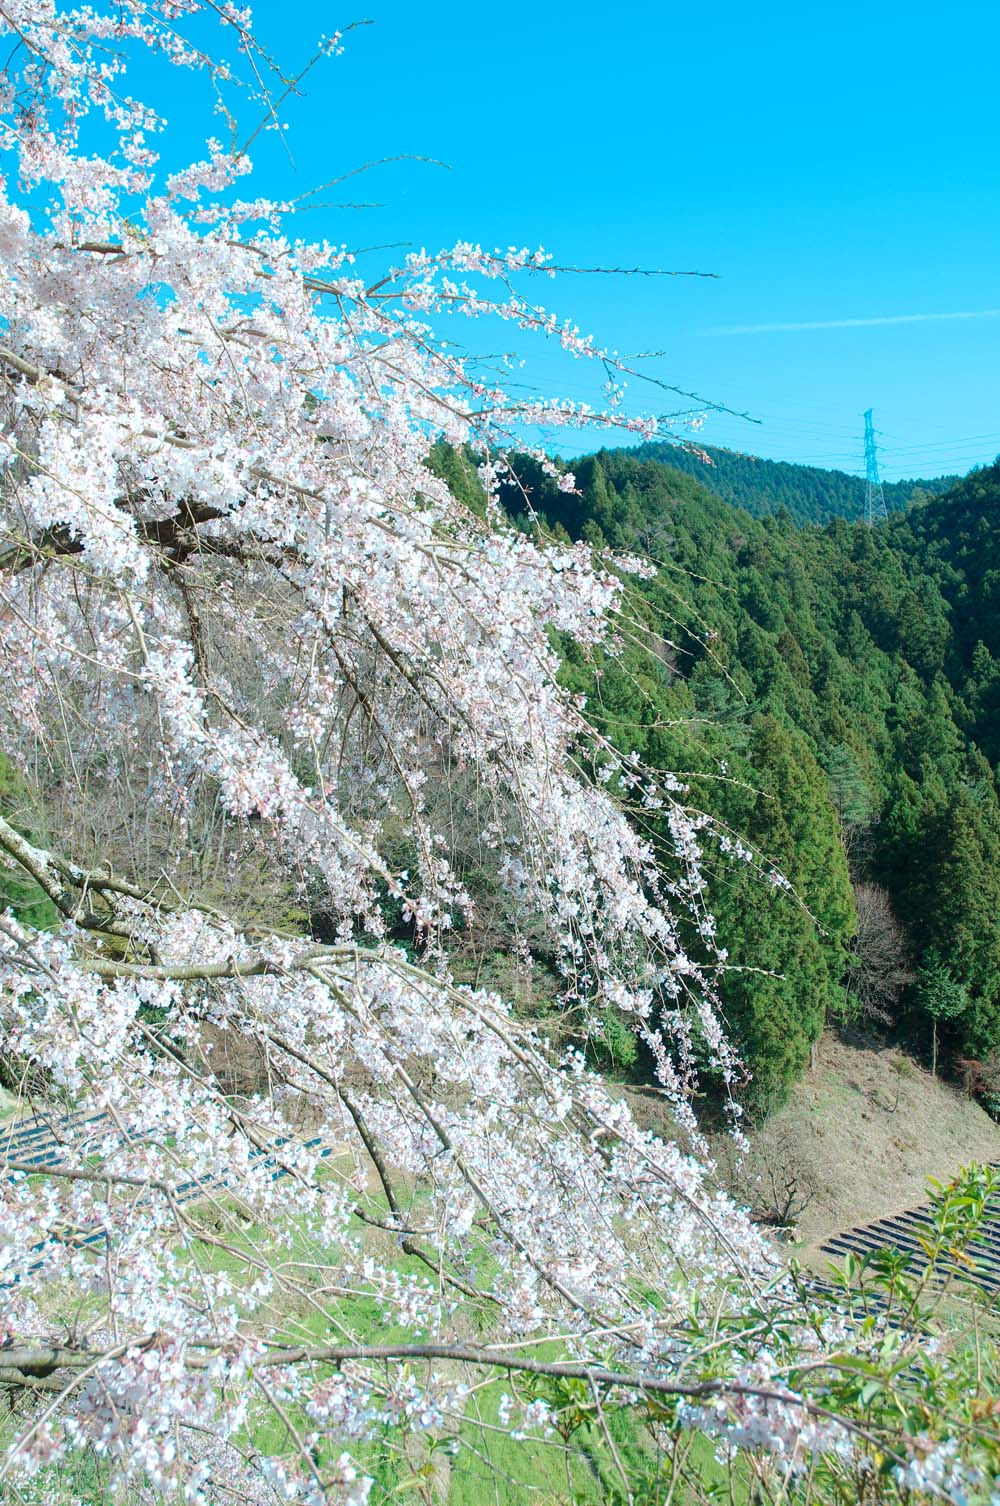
(834, 695)
(807, 493)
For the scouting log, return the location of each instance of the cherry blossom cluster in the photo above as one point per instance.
(238, 605)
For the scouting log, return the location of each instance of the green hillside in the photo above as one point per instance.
(833, 695)
(807, 493)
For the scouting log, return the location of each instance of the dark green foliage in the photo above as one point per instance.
(962, 924)
(793, 949)
(614, 1046)
(829, 692)
(850, 791)
(458, 468)
(806, 493)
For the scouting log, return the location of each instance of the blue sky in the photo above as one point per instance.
(831, 163)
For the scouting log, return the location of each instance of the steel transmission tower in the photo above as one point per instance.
(875, 508)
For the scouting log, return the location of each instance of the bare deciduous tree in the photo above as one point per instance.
(880, 967)
(770, 1178)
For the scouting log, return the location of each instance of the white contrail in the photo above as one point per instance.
(781, 329)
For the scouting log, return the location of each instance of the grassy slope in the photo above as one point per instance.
(489, 1467)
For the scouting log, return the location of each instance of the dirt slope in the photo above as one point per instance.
(864, 1130)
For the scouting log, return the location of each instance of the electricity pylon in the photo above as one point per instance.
(875, 508)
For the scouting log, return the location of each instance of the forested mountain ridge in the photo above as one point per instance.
(808, 493)
(834, 694)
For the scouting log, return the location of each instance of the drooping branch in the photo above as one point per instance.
(41, 1362)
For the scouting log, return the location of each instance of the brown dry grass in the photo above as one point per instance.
(868, 1126)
